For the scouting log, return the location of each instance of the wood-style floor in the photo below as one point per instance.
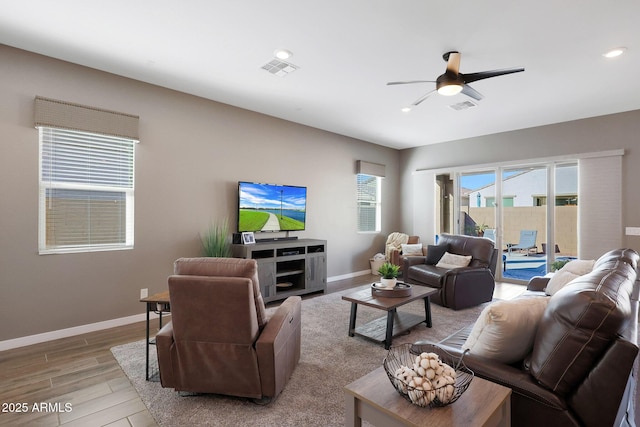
(80, 373)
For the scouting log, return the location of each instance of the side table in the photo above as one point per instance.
(158, 303)
(374, 399)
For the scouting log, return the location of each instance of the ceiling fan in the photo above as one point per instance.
(453, 81)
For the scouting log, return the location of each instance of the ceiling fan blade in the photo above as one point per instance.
(471, 92)
(453, 62)
(422, 98)
(410, 82)
(474, 77)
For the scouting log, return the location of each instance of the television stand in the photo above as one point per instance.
(287, 266)
(276, 239)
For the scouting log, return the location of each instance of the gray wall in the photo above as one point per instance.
(191, 155)
(617, 131)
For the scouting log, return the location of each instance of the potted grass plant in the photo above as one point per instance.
(216, 241)
(389, 273)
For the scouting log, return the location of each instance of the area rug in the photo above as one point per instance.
(329, 360)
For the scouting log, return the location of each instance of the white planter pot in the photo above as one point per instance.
(389, 283)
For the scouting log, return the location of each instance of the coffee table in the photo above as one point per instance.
(374, 399)
(385, 328)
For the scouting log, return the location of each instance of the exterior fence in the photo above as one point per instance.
(516, 219)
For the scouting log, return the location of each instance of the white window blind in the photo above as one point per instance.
(368, 203)
(86, 191)
(600, 207)
(368, 168)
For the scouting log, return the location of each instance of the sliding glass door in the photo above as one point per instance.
(565, 214)
(524, 221)
(477, 204)
(514, 211)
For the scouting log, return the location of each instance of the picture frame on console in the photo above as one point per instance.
(248, 238)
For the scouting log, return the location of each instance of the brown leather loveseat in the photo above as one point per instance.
(458, 287)
(221, 339)
(578, 373)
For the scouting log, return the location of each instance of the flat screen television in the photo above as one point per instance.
(270, 207)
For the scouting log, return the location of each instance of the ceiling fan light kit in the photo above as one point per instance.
(449, 84)
(453, 81)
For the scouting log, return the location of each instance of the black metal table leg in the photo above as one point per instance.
(147, 343)
(389, 333)
(427, 311)
(352, 318)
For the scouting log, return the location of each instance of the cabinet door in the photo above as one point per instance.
(316, 272)
(267, 278)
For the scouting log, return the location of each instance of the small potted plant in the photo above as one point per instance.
(557, 265)
(480, 229)
(389, 273)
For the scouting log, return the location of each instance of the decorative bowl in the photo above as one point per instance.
(436, 393)
(399, 291)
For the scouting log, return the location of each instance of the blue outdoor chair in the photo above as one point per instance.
(490, 233)
(527, 241)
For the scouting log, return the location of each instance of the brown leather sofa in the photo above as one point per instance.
(221, 338)
(460, 287)
(578, 373)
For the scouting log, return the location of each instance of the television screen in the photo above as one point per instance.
(269, 207)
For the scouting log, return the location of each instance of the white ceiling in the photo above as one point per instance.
(347, 51)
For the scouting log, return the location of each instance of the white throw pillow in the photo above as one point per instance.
(559, 280)
(449, 260)
(579, 266)
(571, 270)
(505, 330)
(412, 250)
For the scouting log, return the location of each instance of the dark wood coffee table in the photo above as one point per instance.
(385, 328)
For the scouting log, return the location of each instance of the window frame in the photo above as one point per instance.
(46, 185)
(362, 202)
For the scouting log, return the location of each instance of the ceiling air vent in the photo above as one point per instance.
(463, 105)
(279, 67)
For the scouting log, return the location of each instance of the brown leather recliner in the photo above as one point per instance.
(221, 339)
(458, 287)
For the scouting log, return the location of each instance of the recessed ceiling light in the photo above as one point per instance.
(283, 54)
(614, 52)
(405, 109)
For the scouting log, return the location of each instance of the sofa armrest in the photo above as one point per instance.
(408, 261)
(164, 348)
(605, 384)
(467, 287)
(278, 346)
(394, 256)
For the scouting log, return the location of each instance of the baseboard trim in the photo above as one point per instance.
(70, 332)
(92, 327)
(348, 276)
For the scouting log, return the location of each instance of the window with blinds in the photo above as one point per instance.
(86, 191)
(368, 203)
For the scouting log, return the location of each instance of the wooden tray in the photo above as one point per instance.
(401, 290)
